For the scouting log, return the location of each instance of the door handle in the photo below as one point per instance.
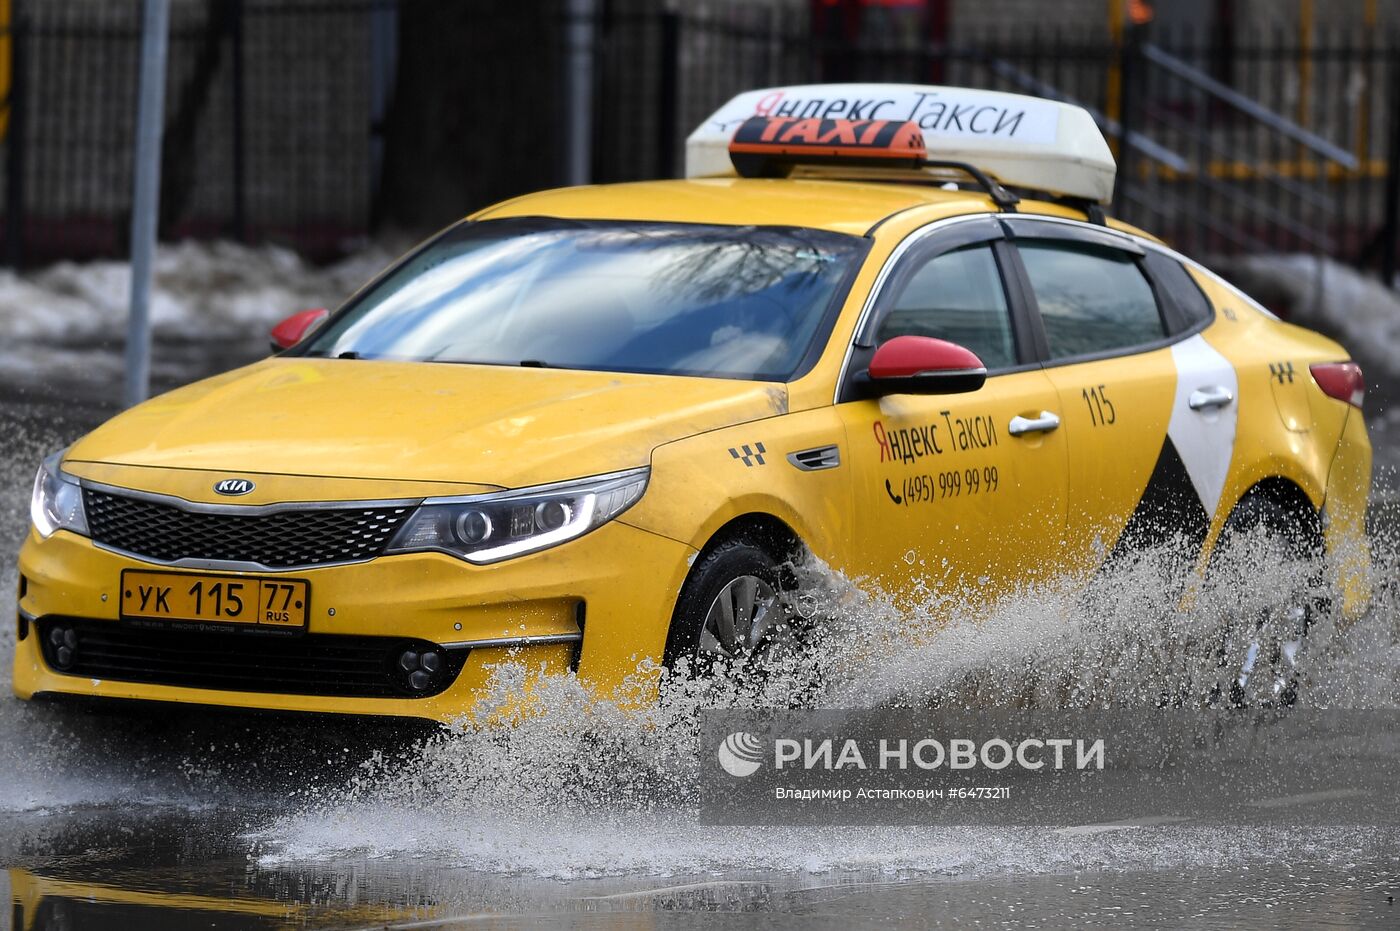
(1203, 399)
(1046, 422)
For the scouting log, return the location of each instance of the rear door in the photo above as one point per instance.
(961, 491)
(1148, 405)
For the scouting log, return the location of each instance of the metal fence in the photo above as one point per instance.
(317, 123)
(1259, 145)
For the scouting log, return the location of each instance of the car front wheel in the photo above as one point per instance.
(731, 609)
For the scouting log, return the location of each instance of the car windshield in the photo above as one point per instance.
(723, 301)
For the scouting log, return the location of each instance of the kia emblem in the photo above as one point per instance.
(233, 486)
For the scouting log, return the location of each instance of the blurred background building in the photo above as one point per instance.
(1241, 126)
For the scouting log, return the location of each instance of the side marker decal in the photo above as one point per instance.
(1169, 508)
(1281, 371)
(1188, 479)
(749, 455)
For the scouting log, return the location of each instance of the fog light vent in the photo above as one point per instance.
(64, 641)
(421, 667)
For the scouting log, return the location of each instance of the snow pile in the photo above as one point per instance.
(63, 328)
(202, 291)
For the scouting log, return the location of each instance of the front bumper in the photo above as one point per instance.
(602, 602)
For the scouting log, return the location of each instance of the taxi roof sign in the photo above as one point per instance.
(1028, 142)
(765, 146)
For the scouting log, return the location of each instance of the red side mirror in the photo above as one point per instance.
(923, 365)
(295, 328)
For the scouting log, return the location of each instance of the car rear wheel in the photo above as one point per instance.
(1262, 651)
(734, 609)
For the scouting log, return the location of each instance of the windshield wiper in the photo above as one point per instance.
(523, 363)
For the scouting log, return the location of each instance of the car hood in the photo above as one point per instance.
(422, 422)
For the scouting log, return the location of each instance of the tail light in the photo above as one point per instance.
(1341, 380)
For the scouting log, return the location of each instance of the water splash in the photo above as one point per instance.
(569, 785)
(587, 788)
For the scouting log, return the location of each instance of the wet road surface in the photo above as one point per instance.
(143, 818)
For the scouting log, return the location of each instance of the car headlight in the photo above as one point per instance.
(57, 503)
(488, 528)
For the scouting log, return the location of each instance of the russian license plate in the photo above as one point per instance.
(215, 599)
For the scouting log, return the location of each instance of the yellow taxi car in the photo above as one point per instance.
(583, 429)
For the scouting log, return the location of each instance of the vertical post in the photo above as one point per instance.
(668, 93)
(937, 20)
(240, 187)
(1305, 51)
(1128, 67)
(145, 201)
(579, 83)
(1363, 121)
(1113, 88)
(1205, 202)
(16, 116)
(775, 49)
(384, 64)
(1390, 229)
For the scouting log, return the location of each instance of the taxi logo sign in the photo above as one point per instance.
(233, 487)
(765, 146)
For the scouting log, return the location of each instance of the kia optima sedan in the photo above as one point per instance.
(584, 429)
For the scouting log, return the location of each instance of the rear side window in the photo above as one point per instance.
(1190, 302)
(1091, 300)
(957, 296)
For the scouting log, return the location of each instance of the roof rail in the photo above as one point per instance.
(1000, 196)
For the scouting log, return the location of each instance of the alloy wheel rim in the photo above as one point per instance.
(745, 612)
(1270, 666)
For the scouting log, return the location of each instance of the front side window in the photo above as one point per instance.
(720, 301)
(1091, 300)
(957, 296)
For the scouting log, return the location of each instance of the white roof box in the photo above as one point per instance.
(1026, 142)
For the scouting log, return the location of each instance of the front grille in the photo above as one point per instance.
(314, 664)
(278, 540)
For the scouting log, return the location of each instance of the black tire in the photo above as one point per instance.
(721, 565)
(1260, 652)
(1297, 535)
